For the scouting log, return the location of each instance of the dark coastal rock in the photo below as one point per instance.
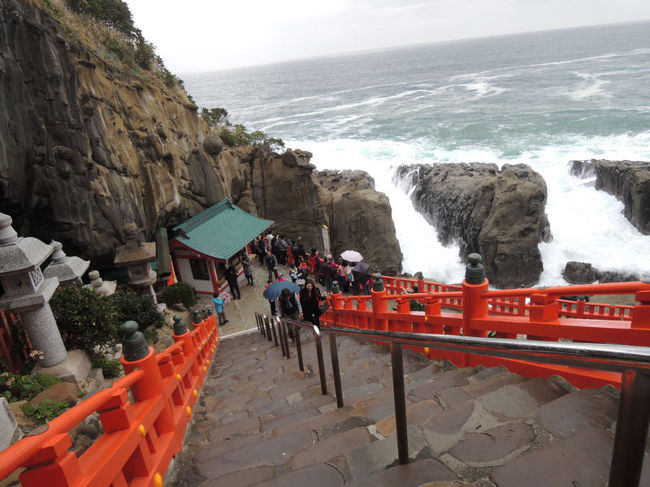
(629, 181)
(579, 273)
(361, 219)
(86, 148)
(585, 273)
(497, 213)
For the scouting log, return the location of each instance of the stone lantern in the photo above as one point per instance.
(68, 270)
(137, 256)
(27, 292)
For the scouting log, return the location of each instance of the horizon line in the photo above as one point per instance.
(405, 46)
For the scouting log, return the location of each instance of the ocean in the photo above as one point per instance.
(542, 98)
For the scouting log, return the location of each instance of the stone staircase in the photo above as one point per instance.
(260, 421)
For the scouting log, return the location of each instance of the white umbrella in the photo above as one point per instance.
(352, 256)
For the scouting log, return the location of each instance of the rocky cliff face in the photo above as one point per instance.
(86, 147)
(360, 219)
(629, 181)
(499, 214)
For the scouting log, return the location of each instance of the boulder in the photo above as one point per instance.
(497, 213)
(579, 273)
(9, 431)
(629, 181)
(361, 219)
(585, 273)
(213, 145)
(63, 391)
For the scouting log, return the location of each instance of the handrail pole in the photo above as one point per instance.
(275, 336)
(301, 365)
(400, 403)
(283, 335)
(267, 323)
(631, 430)
(278, 324)
(334, 354)
(321, 363)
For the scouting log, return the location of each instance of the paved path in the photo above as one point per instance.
(260, 421)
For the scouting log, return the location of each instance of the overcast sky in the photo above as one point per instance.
(206, 35)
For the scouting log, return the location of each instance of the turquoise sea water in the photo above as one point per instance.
(541, 98)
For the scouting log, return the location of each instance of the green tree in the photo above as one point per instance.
(215, 116)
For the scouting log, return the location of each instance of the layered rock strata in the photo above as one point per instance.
(629, 181)
(87, 146)
(497, 213)
(360, 219)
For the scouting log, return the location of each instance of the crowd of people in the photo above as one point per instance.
(277, 250)
(305, 268)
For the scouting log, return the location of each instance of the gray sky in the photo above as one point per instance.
(204, 35)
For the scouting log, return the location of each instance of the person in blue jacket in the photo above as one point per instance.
(218, 308)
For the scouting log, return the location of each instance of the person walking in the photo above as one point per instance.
(288, 306)
(248, 269)
(271, 263)
(231, 277)
(310, 299)
(218, 309)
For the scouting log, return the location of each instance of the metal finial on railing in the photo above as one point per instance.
(377, 282)
(179, 326)
(335, 288)
(196, 316)
(134, 345)
(475, 272)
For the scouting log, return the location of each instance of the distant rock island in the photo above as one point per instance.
(498, 213)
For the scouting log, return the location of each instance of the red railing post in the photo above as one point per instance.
(337, 304)
(138, 355)
(641, 312)
(404, 309)
(379, 304)
(53, 465)
(474, 305)
(432, 308)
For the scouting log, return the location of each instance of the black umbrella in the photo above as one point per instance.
(361, 272)
(273, 291)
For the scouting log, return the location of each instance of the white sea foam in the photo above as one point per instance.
(591, 85)
(587, 225)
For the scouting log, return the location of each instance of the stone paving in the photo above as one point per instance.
(260, 421)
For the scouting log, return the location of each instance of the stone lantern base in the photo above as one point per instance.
(75, 367)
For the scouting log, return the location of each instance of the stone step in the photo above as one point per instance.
(260, 421)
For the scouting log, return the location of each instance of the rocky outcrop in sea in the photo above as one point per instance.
(497, 213)
(629, 181)
(87, 145)
(360, 218)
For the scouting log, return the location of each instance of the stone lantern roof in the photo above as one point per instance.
(65, 268)
(18, 254)
(136, 251)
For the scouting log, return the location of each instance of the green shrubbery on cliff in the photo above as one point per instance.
(106, 26)
(238, 134)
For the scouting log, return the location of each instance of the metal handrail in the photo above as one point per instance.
(632, 361)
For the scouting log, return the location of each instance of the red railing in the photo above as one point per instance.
(515, 302)
(144, 416)
(531, 313)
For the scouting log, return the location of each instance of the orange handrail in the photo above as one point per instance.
(510, 313)
(140, 436)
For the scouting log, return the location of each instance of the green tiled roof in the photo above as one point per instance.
(220, 231)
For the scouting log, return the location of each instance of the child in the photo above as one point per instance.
(218, 308)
